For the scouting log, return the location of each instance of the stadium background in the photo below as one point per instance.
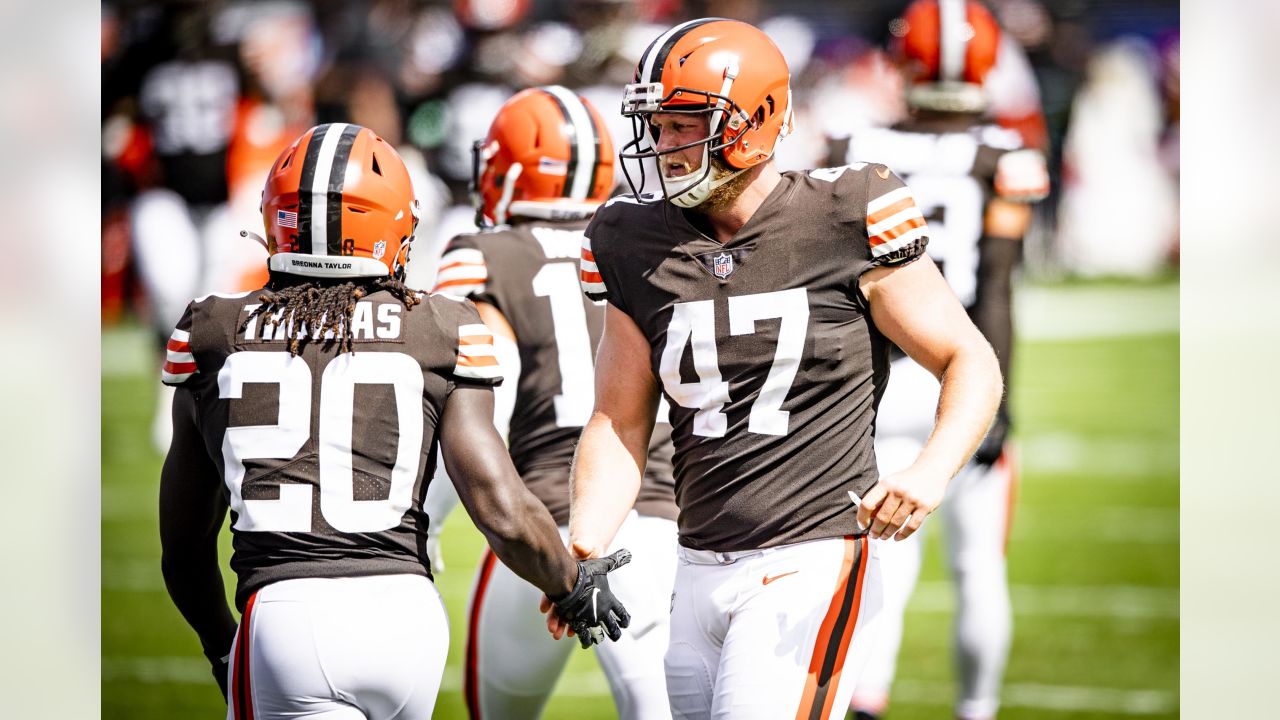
(1094, 550)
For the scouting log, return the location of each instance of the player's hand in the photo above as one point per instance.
(590, 611)
(221, 667)
(899, 503)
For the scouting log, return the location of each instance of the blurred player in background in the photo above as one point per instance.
(542, 170)
(322, 453)
(762, 305)
(974, 182)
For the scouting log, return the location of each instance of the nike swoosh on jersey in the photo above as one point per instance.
(768, 579)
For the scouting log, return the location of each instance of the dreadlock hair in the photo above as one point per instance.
(322, 306)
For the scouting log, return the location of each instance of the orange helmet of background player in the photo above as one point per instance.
(946, 48)
(339, 203)
(548, 155)
(728, 70)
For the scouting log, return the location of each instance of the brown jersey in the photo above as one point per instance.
(528, 271)
(326, 457)
(764, 347)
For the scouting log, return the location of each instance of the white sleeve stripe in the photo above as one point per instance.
(888, 199)
(593, 287)
(484, 372)
(474, 329)
(460, 291)
(181, 335)
(174, 379)
(894, 220)
(474, 351)
(179, 357)
(464, 272)
(588, 266)
(465, 255)
(898, 242)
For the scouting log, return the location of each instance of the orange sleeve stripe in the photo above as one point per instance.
(460, 281)
(477, 361)
(588, 255)
(475, 340)
(179, 368)
(887, 212)
(460, 264)
(178, 346)
(896, 230)
(591, 277)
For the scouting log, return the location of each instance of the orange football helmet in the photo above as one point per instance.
(339, 203)
(548, 155)
(946, 48)
(726, 69)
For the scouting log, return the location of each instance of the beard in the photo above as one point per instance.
(724, 196)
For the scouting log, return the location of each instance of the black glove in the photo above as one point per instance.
(591, 605)
(993, 444)
(220, 664)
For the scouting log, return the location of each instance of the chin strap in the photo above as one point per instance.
(685, 194)
(256, 238)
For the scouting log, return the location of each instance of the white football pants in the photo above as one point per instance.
(782, 632)
(513, 663)
(976, 510)
(354, 648)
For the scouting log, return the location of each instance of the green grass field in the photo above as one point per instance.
(1093, 561)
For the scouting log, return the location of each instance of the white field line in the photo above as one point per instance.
(1081, 313)
(1062, 698)
(194, 671)
(1124, 602)
(1124, 457)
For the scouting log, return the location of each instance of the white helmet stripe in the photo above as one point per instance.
(584, 137)
(655, 50)
(953, 31)
(320, 187)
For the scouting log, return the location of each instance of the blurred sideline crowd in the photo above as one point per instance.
(198, 99)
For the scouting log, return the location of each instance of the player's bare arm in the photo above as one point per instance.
(913, 306)
(610, 459)
(192, 508)
(517, 527)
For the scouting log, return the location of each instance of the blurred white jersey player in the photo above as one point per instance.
(538, 176)
(974, 181)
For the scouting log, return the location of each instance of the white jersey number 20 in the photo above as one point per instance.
(291, 512)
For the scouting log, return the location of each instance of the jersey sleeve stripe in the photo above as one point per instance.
(179, 358)
(899, 221)
(178, 346)
(460, 288)
(182, 336)
(881, 247)
(881, 215)
(887, 199)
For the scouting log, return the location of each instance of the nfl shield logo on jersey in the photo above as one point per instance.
(722, 265)
(379, 249)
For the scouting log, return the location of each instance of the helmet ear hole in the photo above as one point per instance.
(377, 169)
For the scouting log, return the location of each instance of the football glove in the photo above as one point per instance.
(221, 667)
(591, 610)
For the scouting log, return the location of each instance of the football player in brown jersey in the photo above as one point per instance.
(974, 182)
(541, 171)
(762, 305)
(311, 408)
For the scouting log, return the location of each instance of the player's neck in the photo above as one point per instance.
(727, 220)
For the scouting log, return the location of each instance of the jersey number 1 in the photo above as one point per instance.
(694, 324)
(291, 512)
